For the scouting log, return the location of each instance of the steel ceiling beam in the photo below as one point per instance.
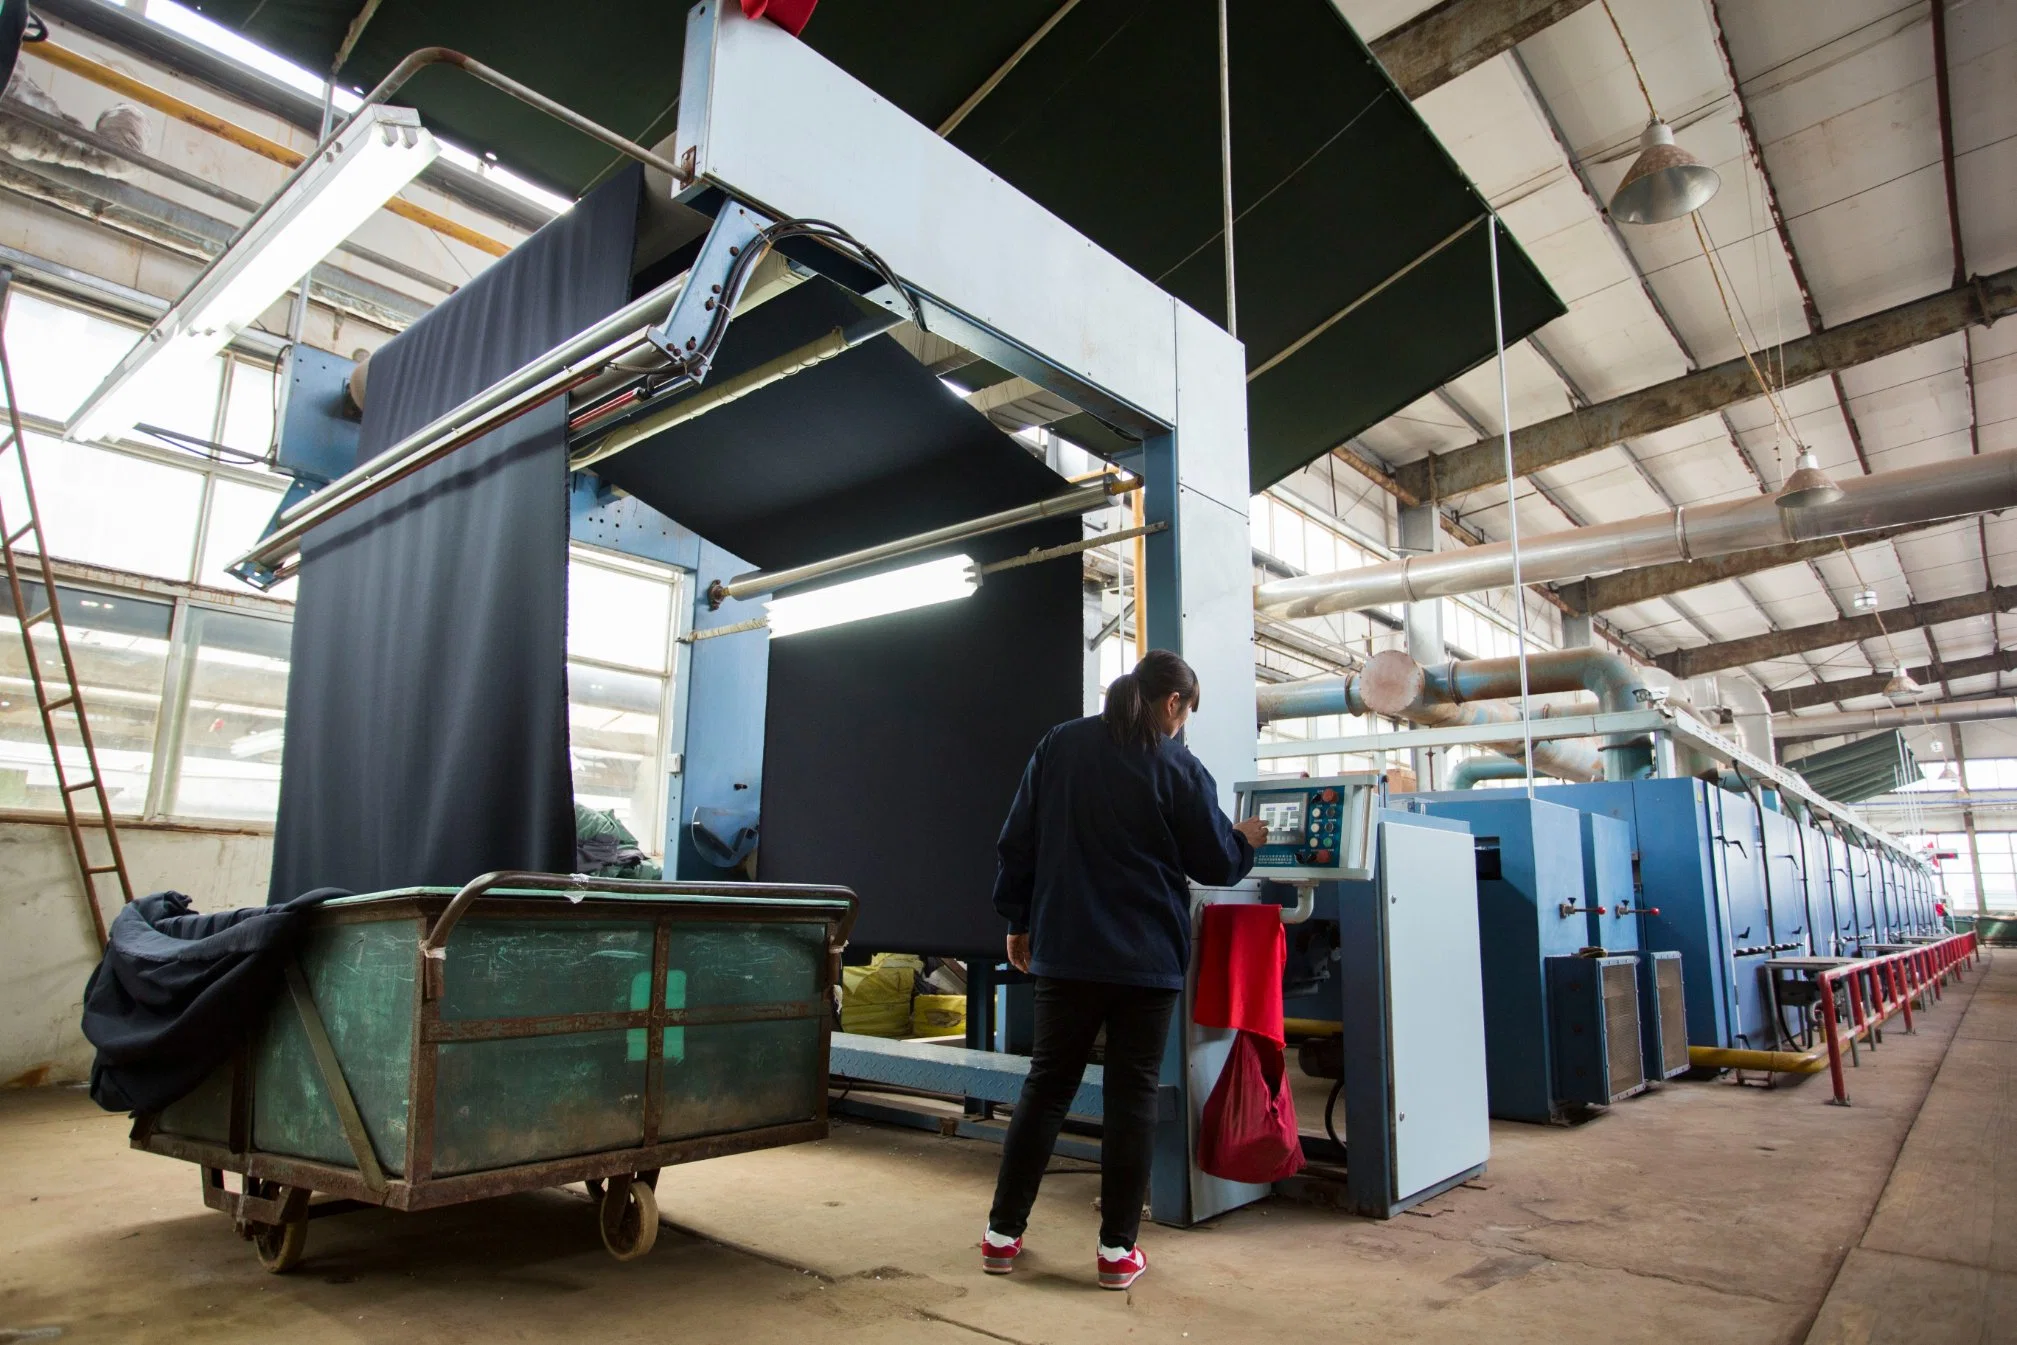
(1849, 688)
(1677, 401)
(1657, 581)
(1826, 634)
(1435, 47)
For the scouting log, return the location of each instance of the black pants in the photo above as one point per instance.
(1069, 1016)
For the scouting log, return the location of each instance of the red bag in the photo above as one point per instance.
(790, 15)
(1249, 1129)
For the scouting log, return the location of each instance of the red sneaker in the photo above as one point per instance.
(1122, 1271)
(999, 1258)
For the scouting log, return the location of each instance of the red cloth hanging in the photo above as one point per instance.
(789, 15)
(1241, 952)
(1248, 1132)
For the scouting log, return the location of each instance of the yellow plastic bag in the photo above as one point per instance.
(938, 1015)
(875, 1000)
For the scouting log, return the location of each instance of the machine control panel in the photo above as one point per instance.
(1317, 829)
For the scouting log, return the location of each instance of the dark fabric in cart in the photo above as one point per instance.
(177, 991)
(427, 703)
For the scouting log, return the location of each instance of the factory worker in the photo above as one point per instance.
(1112, 821)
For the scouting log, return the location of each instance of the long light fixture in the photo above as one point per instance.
(947, 579)
(377, 153)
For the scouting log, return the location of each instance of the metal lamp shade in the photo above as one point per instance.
(1901, 686)
(1808, 485)
(1664, 183)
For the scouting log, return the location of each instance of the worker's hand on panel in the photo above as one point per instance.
(1255, 830)
(1019, 951)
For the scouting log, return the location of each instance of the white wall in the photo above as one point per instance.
(45, 929)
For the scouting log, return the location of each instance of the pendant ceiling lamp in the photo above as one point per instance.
(1901, 685)
(1808, 485)
(1664, 183)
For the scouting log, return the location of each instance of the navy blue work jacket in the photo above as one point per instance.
(1096, 852)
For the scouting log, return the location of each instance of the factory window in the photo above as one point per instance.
(141, 513)
(120, 645)
(1992, 773)
(151, 507)
(59, 353)
(231, 712)
(620, 629)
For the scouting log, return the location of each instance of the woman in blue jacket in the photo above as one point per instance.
(1113, 821)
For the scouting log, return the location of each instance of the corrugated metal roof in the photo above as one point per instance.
(1828, 112)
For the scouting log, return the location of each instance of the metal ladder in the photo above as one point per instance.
(68, 700)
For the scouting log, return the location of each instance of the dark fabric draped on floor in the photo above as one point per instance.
(427, 707)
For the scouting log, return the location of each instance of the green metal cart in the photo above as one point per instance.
(433, 1048)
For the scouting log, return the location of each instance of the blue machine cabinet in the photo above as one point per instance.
(1785, 866)
(1531, 907)
(1610, 884)
(1702, 893)
(1841, 898)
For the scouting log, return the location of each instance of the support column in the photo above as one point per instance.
(1200, 604)
(1422, 622)
(1578, 631)
(1968, 821)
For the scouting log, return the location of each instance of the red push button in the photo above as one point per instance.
(1328, 796)
(1323, 856)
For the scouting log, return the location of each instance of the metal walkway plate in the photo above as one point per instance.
(955, 1070)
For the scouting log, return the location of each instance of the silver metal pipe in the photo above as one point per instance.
(1751, 714)
(1471, 770)
(1925, 494)
(1080, 500)
(566, 366)
(1897, 716)
(1394, 684)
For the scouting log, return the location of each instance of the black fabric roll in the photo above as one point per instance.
(427, 705)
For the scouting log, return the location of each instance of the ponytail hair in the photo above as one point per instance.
(1131, 714)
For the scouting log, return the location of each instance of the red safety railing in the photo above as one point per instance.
(1877, 988)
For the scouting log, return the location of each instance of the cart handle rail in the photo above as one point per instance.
(434, 944)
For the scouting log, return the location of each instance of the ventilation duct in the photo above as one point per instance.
(1478, 692)
(1899, 716)
(1925, 494)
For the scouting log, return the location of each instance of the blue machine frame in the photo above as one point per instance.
(1532, 907)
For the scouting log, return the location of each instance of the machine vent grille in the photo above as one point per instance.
(1621, 1028)
(1673, 1016)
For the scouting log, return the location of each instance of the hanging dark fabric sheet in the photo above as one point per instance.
(893, 746)
(427, 704)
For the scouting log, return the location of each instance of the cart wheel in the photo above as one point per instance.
(629, 1219)
(280, 1245)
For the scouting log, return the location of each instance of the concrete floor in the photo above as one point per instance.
(1702, 1212)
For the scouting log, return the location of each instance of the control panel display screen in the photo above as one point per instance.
(1284, 818)
(1316, 828)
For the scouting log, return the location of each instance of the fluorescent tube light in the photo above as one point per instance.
(936, 581)
(376, 156)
